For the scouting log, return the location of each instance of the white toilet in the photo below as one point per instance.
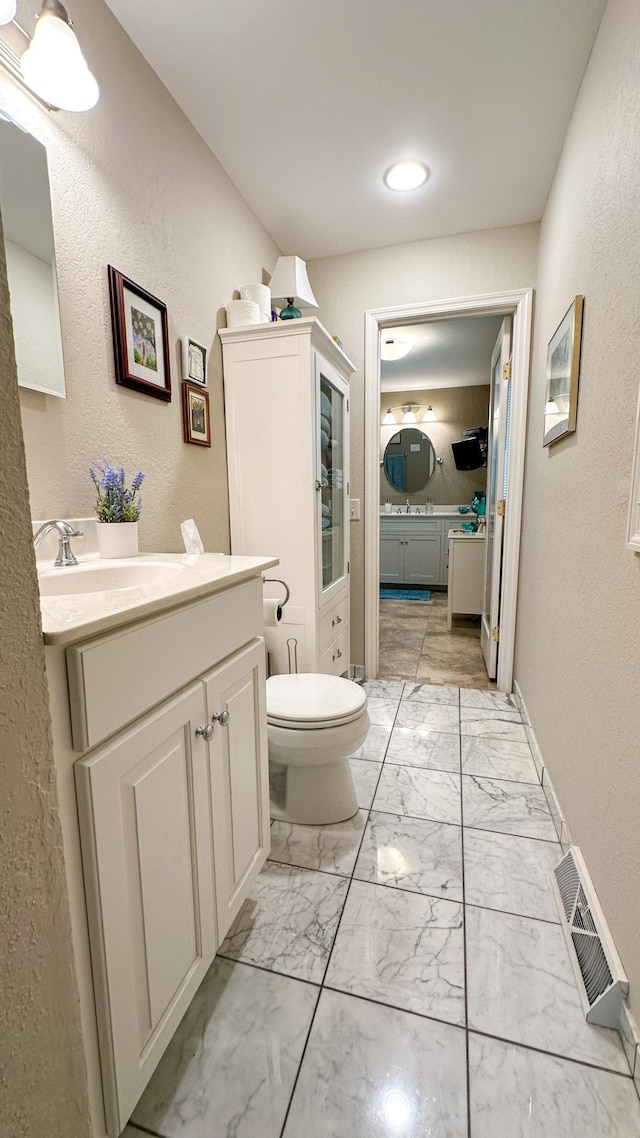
(314, 723)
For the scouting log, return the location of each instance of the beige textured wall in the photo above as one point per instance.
(457, 408)
(133, 185)
(578, 647)
(346, 287)
(42, 1073)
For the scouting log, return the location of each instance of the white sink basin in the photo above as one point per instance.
(102, 577)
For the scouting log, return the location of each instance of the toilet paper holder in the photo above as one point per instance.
(278, 581)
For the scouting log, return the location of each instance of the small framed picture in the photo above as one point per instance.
(140, 337)
(194, 361)
(563, 370)
(195, 415)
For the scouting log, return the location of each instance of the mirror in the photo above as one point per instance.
(409, 460)
(28, 240)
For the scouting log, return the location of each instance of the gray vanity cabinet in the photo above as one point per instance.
(411, 551)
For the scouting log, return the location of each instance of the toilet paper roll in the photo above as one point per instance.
(261, 295)
(242, 312)
(272, 612)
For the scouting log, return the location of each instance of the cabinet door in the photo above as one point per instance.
(143, 805)
(422, 556)
(239, 777)
(392, 559)
(332, 451)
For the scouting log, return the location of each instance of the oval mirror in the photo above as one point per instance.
(409, 460)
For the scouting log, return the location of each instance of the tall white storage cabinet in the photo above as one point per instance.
(286, 391)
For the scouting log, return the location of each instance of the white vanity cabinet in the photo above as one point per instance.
(411, 550)
(287, 421)
(168, 824)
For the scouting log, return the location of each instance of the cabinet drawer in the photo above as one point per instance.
(335, 659)
(331, 624)
(116, 678)
(404, 525)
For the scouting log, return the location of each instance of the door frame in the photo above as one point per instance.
(519, 304)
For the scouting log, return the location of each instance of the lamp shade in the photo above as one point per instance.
(429, 415)
(53, 65)
(290, 282)
(394, 347)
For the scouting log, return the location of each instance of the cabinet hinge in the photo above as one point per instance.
(506, 371)
(501, 508)
(495, 633)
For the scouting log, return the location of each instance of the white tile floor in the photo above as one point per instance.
(402, 974)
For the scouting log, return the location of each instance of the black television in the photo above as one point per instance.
(468, 454)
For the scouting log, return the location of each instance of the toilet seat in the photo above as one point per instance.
(312, 701)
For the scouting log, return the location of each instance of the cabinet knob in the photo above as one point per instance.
(205, 732)
(223, 718)
(318, 485)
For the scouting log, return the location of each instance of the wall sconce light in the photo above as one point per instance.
(50, 64)
(8, 10)
(429, 415)
(389, 419)
(410, 413)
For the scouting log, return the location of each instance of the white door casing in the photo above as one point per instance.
(519, 304)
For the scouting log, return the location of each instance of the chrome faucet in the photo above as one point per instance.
(65, 532)
(408, 506)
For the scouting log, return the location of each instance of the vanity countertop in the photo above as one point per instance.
(74, 616)
(438, 512)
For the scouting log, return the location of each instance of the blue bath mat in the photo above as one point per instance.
(405, 595)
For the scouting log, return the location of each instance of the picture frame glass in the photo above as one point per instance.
(144, 340)
(195, 362)
(563, 366)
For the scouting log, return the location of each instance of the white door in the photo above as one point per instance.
(498, 464)
(236, 705)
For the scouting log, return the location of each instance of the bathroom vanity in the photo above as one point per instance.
(159, 725)
(287, 417)
(414, 548)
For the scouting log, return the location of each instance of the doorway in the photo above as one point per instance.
(517, 305)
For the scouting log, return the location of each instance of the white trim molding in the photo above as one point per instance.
(519, 304)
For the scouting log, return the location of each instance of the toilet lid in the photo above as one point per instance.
(312, 698)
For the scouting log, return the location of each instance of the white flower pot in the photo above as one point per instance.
(117, 539)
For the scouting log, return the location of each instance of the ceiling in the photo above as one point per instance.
(445, 353)
(307, 104)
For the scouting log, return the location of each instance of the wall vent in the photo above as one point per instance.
(601, 980)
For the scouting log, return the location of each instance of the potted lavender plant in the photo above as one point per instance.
(117, 508)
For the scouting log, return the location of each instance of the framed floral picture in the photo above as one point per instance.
(563, 370)
(194, 361)
(195, 415)
(140, 337)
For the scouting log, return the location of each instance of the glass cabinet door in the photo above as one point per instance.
(332, 452)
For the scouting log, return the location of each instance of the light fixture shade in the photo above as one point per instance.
(290, 280)
(53, 65)
(389, 419)
(8, 10)
(407, 175)
(409, 414)
(394, 347)
(429, 416)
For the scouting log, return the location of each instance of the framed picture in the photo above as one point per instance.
(563, 369)
(194, 361)
(140, 337)
(195, 415)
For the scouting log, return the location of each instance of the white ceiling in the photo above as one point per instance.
(445, 353)
(307, 103)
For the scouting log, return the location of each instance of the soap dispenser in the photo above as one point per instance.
(387, 507)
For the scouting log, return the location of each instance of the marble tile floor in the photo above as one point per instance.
(416, 645)
(403, 973)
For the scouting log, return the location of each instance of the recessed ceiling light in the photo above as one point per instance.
(406, 175)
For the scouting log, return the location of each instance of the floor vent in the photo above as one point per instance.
(601, 979)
